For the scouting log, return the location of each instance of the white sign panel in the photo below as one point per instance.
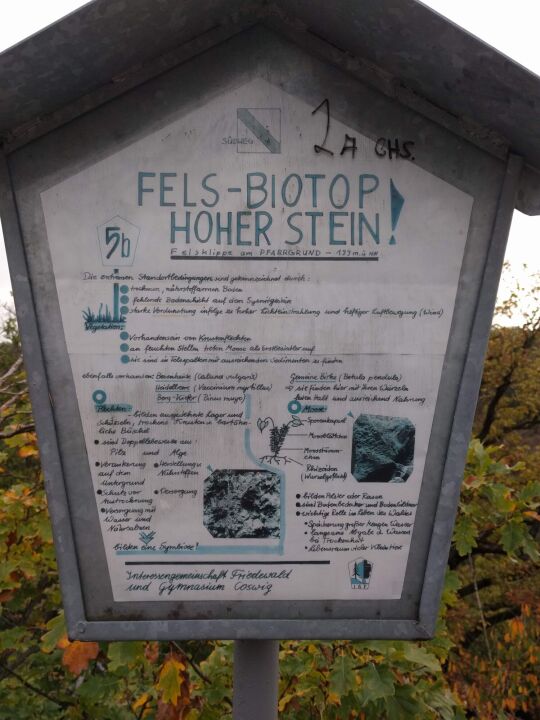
(257, 301)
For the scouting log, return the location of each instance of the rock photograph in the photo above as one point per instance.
(242, 504)
(382, 449)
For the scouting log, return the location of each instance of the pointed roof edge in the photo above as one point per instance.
(106, 47)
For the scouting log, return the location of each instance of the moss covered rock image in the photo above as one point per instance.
(382, 448)
(242, 504)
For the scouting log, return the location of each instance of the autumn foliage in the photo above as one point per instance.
(483, 662)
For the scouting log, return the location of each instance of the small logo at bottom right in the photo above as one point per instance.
(360, 573)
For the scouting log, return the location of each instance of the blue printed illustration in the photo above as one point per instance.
(360, 573)
(258, 130)
(396, 206)
(102, 406)
(277, 435)
(118, 239)
(147, 537)
(239, 504)
(242, 504)
(382, 448)
(109, 318)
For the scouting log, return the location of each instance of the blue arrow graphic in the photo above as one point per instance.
(396, 203)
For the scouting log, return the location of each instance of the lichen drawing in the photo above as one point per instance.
(242, 504)
(277, 436)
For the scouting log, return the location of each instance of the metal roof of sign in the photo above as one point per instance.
(407, 49)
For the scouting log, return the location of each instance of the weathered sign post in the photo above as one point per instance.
(255, 249)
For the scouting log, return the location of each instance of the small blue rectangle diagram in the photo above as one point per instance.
(258, 130)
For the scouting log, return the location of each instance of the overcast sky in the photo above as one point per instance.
(511, 27)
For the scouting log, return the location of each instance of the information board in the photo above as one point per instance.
(257, 301)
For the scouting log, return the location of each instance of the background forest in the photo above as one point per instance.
(483, 662)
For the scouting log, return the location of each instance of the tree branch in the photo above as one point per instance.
(197, 669)
(34, 689)
(17, 431)
(493, 404)
(530, 335)
(480, 608)
(12, 400)
(469, 589)
(191, 662)
(492, 620)
(455, 558)
(526, 424)
(12, 370)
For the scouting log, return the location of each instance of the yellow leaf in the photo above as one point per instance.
(285, 700)
(141, 701)
(334, 699)
(170, 680)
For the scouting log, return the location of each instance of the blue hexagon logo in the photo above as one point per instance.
(118, 240)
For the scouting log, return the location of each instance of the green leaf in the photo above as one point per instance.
(530, 492)
(440, 699)
(170, 681)
(95, 689)
(405, 705)
(342, 679)
(16, 441)
(513, 535)
(480, 461)
(377, 683)
(292, 665)
(122, 654)
(347, 708)
(441, 644)
(530, 546)
(217, 690)
(420, 656)
(500, 497)
(479, 457)
(381, 647)
(14, 638)
(465, 535)
(57, 629)
(452, 583)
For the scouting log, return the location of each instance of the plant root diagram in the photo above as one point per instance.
(278, 435)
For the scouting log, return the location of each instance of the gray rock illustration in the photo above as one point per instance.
(242, 504)
(382, 448)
